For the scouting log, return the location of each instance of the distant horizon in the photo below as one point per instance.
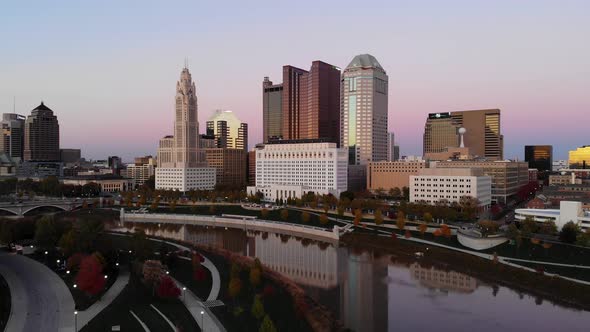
(109, 75)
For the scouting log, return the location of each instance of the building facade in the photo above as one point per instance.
(13, 135)
(141, 170)
(432, 185)
(289, 170)
(228, 130)
(110, 184)
(310, 103)
(392, 174)
(70, 156)
(539, 157)
(181, 163)
(507, 176)
(252, 167)
(568, 211)
(230, 166)
(41, 135)
(272, 110)
(580, 158)
(440, 133)
(483, 132)
(364, 110)
(392, 149)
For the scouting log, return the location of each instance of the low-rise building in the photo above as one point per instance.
(435, 184)
(568, 211)
(107, 183)
(289, 170)
(392, 174)
(561, 179)
(507, 176)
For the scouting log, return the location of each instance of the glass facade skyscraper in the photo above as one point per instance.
(539, 157)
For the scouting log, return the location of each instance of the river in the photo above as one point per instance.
(373, 292)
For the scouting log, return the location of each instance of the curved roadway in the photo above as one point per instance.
(40, 299)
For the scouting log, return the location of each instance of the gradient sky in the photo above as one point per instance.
(109, 68)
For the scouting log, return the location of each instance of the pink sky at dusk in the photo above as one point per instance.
(109, 72)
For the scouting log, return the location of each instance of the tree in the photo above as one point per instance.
(358, 217)
(569, 232)
(512, 233)
(528, 226)
(255, 273)
(173, 205)
(264, 213)
(548, 228)
(235, 286)
(90, 278)
(284, 214)
(69, 242)
(380, 192)
(340, 211)
(395, 192)
(378, 217)
(487, 227)
(90, 230)
(140, 244)
(267, 325)
(6, 232)
(406, 193)
(212, 209)
(305, 217)
(401, 220)
(324, 219)
(427, 217)
(258, 308)
(167, 288)
(445, 231)
(422, 228)
(45, 233)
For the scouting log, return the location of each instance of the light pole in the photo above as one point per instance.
(75, 321)
(184, 294)
(202, 321)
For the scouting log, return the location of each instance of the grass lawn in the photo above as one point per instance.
(558, 253)
(137, 297)
(4, 303)
(581, 274)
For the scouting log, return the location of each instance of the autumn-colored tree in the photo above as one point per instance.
(268, 291)
(198, 269)
(284, 214)
(534, 240)
(487, 227)
(267, 325)
(167, 288)
(324, 219)
(393, 236)
(152, 272)
(264, 213)
(256, 273)
(235, 286)
(378, 217)
(305, 217)
(422, 228)
(173, 205)
(90, 278)
(437, 232)
(427, 217)
(548, 228)
(408, 234)
(401, 220)
(547, 245)
(358, 217)
(445, 230)
(340, 211)
(257, 308)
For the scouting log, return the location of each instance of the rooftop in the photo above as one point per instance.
(364, 61)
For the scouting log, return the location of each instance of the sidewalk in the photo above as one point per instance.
(202, 315)
(18, 300)
(84, 317)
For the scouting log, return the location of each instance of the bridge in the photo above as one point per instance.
(21, 208)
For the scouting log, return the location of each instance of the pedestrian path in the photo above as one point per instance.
(84, 317)
(18, 299)
(200, 312)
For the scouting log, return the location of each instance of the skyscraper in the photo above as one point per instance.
(310, 104)
(580, 158)
(440, 133)
(364, 110)
(181, 163)
(272, 110)
(392, 148)
(539, 157)
(41, 135)
(483, 134)
(13, 135)
(228, 130)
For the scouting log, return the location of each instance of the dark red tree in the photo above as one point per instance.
(90, 278)
(167, 288)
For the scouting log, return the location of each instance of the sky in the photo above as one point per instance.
(108, 69)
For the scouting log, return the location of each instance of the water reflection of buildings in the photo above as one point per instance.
(443, 280)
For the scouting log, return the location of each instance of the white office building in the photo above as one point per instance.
(141, 172)
(435, 184)
(289, 170)
(568, 211)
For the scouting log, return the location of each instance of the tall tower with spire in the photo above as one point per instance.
(181, 164)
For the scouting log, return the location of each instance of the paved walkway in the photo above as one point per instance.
(84, 317)
(41, 300)
(202, 315)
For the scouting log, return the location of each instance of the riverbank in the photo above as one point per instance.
(4, 303)
(554, 289)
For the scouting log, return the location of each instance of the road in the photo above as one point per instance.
(41, 301)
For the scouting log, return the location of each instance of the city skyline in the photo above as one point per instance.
(457, 66)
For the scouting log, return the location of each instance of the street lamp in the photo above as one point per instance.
(202, 322)
(68, 272)
(75, 285)
(183, 294)
(76, 321)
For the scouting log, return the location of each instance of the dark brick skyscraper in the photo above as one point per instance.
(311, 102)
(42, 135)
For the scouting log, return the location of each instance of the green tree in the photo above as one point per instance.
(395, 192)
(340, 211)
(378, 217)
(528, 227)
(569, 232)
(427, 217)
(267, 325)
(488, 227)
(284, 214)
(264, 213)
(141, 245)
(45, 233)
(548, 228)
(406, 193)
(90, 230)
(258, 308)
(305, 217)
(69, 242)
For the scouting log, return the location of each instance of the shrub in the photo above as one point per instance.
(167, 288)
